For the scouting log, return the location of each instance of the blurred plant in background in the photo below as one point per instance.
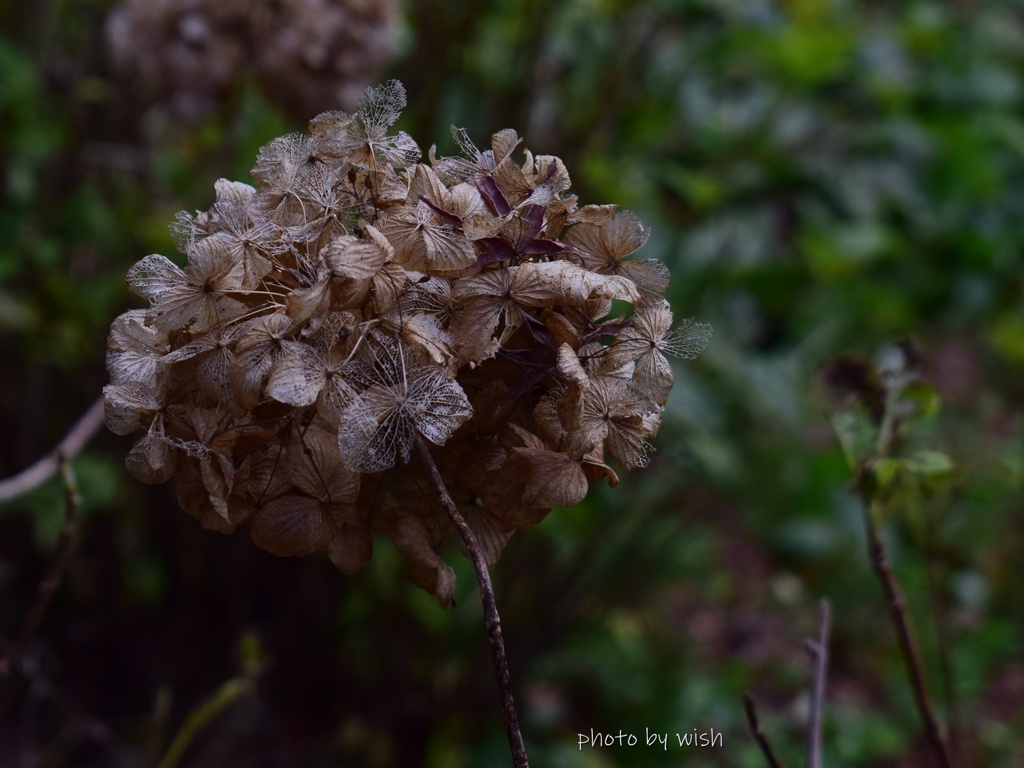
(308, 56)
(822, 178)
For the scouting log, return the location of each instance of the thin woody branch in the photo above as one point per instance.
(865, 483)
(757, 732)
(894, 595)
(46, 467)
(905, 637)
(820, 648)
(491, 616)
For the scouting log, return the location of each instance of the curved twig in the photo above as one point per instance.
(76, 439)
(865, 485)
(905, 636)
(820, 647)
(757, 732)
(199, 718)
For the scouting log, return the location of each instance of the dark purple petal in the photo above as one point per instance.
(493, 196)
(441, 211)
(500, 249)
(534, 216)
(542, 246)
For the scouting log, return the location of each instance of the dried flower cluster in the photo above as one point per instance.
(307, 55)
(356, 302)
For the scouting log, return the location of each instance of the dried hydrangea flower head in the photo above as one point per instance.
(306, 55)
(357, 302)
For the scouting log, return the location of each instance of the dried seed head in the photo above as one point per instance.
(353, 303)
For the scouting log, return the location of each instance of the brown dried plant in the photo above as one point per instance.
(357, 308)
(306, 55)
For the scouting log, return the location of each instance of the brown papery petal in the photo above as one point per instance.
(560, 283)
(549, 479)
(350, 549)
(293, 525)
(298, 376)
(429, 571)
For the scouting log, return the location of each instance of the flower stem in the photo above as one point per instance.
(904, 635)
(758, 733)
(820, 648)
(866, 486)
(491, 617)
(200, 717)
(31, 477)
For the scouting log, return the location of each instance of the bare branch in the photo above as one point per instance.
(818, 691)
(941, 622)
(865, 484)
(491, 617)
(76, 439)
(905, 636)
(757, 733)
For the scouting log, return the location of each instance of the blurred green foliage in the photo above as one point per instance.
(823, 177)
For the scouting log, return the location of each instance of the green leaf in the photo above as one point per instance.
(856, 436)
(925, 397)
(886, 472)
(929, 464)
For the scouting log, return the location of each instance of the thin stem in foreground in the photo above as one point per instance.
(46, 467)
(820, 647)
(940, 620)
(757, 733)
(491, 617)
(865, 483)
(200, 717)
(905, 636)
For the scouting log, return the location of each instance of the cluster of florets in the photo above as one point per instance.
(306, 55)
(357, 304)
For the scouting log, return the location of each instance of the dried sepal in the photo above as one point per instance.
(152, 459)
(408, 396)
(134, 350)
(646, 341)
(197, 296)
(364, 140)
(491, 532)
(129, 406)
(429, 571)
(321, 500)
(485, 314)
(306, 374)
(427, 231)
(530, 483)
(560, 283)
(208, 440)
(194, 498)
(259, 348)
(350, 548)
